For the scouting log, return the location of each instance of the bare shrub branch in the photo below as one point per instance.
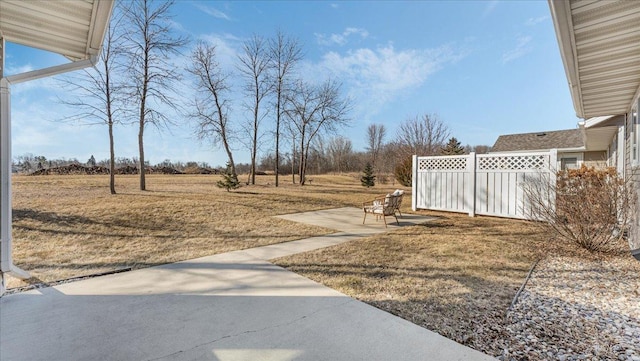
(589, 207)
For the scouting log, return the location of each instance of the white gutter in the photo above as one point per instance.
(51, 71)
(563, 24)
(560, 150)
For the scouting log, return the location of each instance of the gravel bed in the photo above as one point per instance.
(573, 309)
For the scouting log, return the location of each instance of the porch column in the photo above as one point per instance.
(6, 259)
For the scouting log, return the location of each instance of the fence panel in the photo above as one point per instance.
(441, 183)
(488, 184)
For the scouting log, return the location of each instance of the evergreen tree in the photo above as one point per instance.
(453, 147)
(368, 179)
(229, 179)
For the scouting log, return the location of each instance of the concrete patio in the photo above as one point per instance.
(232, 306)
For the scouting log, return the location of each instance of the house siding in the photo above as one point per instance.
(595, 159)
(627, 142)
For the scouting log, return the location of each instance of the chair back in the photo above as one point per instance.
(391, 203)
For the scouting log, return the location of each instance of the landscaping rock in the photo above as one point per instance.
(577, 310)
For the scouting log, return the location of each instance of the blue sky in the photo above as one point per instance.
(484, 67)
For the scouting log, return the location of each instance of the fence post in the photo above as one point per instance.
(471, 190)
(414, 183)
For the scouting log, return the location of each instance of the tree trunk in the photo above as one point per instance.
(112, 161)
(256, 114)
(277, 139)
(293, 162)
(302, 160)
(143, 185)
(232, 164)
(112, 153)
(143, 105)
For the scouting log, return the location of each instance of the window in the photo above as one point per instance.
(568, 163)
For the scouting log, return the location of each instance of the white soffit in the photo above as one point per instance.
(599, 138)
(600, 47)
(72, 28)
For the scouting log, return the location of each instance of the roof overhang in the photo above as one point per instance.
(600, 48)
(598, 138)
(72, 28)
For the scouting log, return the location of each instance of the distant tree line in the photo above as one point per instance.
(424, 136)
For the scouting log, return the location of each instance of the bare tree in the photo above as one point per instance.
(99, 91)
(422, 136)
(340, 151)
(253, 67)
(313, 109)
(375, 141)
(482, 149)
(284, 52)
(151, 46)
(211, 105)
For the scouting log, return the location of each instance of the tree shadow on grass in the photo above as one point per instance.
(77, 223)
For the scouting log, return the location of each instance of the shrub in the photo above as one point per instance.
(592, 208)
(403, 172)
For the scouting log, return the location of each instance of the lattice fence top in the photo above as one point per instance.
(513, 162)
(442, 163)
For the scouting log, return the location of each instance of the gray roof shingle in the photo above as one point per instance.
(570, 138)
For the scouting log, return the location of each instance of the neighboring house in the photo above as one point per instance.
(593, 143)
(599, 45)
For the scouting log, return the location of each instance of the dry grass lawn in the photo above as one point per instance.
(70, 226)
(456, 275)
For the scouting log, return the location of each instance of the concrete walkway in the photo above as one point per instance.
(232, 306)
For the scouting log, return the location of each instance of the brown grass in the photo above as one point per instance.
(69, 226)
(456, 275)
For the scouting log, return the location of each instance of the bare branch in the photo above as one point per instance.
(285, 53)
(422, 136)
(211, 105)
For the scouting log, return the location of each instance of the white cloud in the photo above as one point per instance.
(9, 70)
(334, 5)
(521, 49)
(373, 77)
(226, 49)
(212, 11)
(341, 39)
(535, 21)
(176, 25)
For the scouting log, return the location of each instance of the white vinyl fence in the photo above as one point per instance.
(487, 184)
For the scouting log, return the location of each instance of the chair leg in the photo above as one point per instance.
(385, 220)
(365, 217)
(394, 214)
